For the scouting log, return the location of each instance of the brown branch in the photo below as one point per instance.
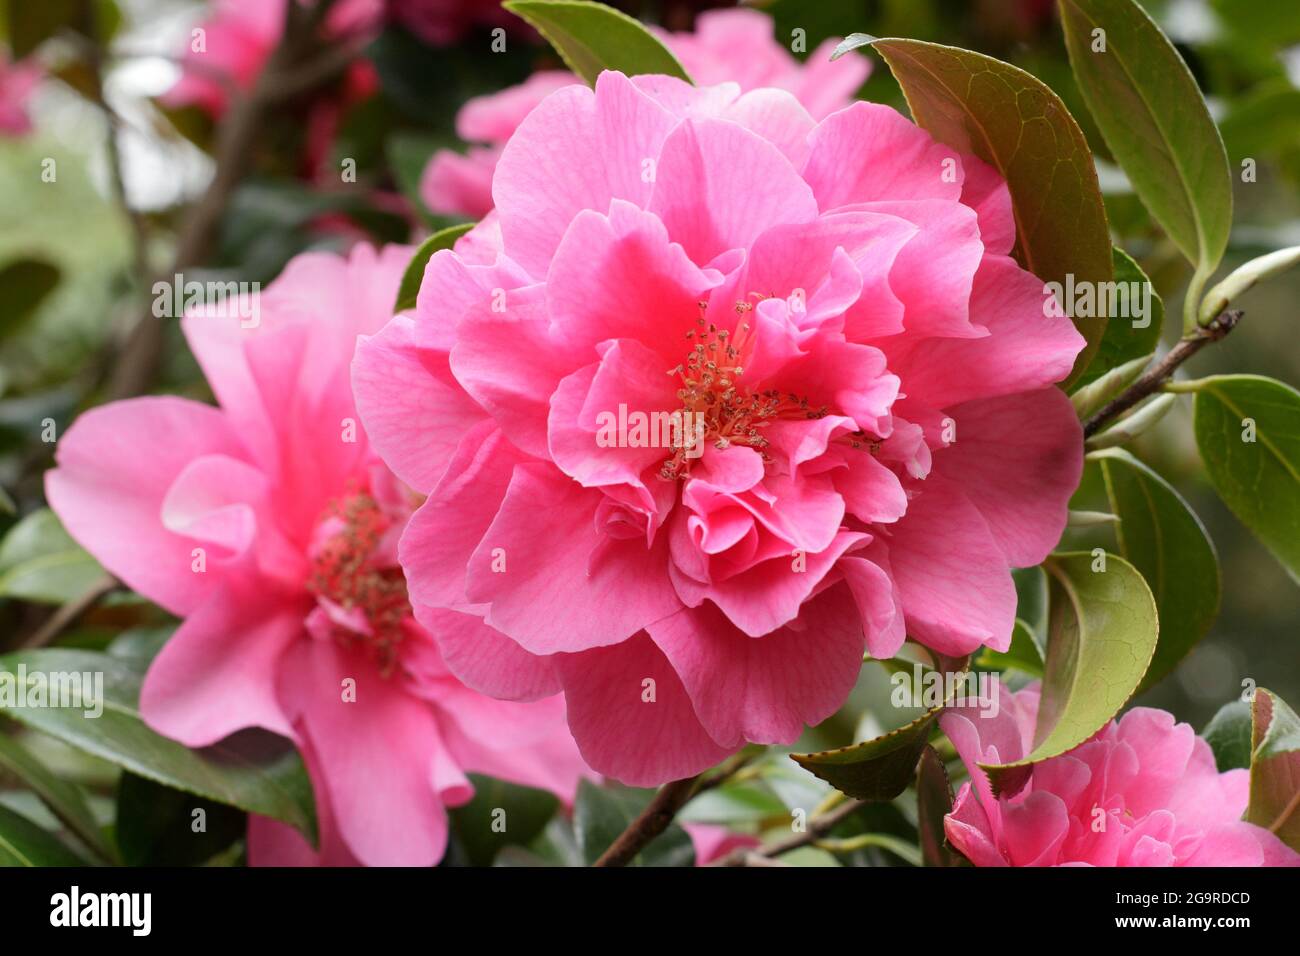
(818, 827)
(298, 64)
(653, 820)
(1155, 377)
(64, 617)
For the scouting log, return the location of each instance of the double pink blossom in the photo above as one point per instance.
(873, 376)
(270, 527)
(1144, 791)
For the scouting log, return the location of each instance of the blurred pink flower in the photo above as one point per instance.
(270, 526)
(727, 46)
(238, 39)
(17, 81)
(833, 305)
(1143, 792)
(713, 842)
(442, 22)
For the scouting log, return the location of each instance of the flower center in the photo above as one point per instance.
(366, 601)
(712, 394)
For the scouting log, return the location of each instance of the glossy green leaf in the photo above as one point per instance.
(1161, 536)
(160, 826)
(65, 800)
(500, 814)
(1275, 768)
(874, 770)
(1128, 336)
(1155, 121)
(23, 843)
(40, 562)
(1014, 122)
(591, 37)
(600, 815)
(1031, 603)
(1248, 431)
(1102, 635)
(1229, 735)
(408, 292)
(254, 771)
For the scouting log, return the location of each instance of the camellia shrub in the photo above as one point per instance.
(705, 449)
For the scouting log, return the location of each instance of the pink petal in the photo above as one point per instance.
(631, 716)
(709, 212)
(402, 387)
(868, 152)
(577, 150)
(557, 593)
(765, 689)
(115, 466)
(486, 659)
(218, 672)
(951, 574)
(1019, 458)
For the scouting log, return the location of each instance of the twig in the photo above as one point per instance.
(1156, 376)
(68, 613)
(818, 827)
(652, 821)
(298, 64)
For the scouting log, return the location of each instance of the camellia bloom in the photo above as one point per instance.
(17, 81)
(727, 45)
(867, 435)
(1144, 791)
(270, 526)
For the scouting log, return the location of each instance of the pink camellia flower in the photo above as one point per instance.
(270, 526)
(17, 81)
(1144, 791)
(727, 46)
(830, 307)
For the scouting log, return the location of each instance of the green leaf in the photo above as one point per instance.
(600, 815)
(1275, 768)
(874, 770)
(1014, 122)
(1023, 654)
(1155, 121)
(64, 799)
(409, 290)
(156, 825)
(1162, 537)
(933, 803)
(23, 843)
(1101, 636)
(40, 562)
(1123, 340)
(591, 37)
(501, 814)
(24, 285)
(1031, 603)
(252, 770)
(1258, 480)
(1229, 735)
